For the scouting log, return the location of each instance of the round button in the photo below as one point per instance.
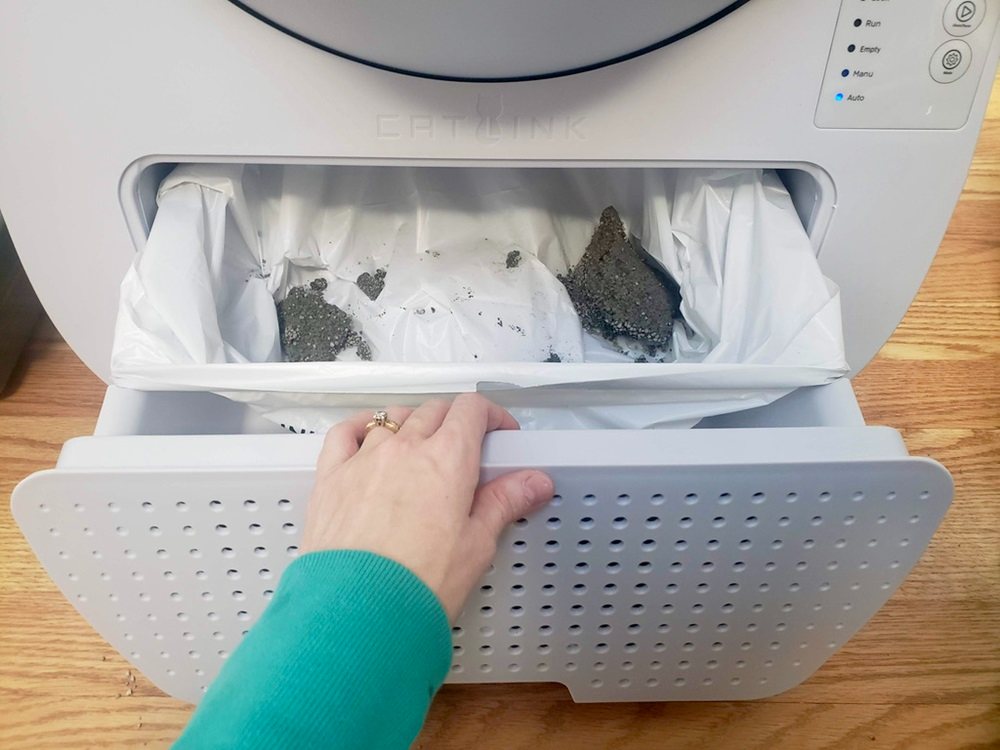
(950, 61)
(962, 17)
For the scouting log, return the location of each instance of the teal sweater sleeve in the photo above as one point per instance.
(348, 655)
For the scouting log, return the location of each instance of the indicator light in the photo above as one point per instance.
(839, 97)
(845, 72)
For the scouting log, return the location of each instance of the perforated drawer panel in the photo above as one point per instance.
(646, 583)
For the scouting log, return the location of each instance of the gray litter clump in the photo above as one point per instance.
(313, 330)
(372, 284)
(618, 293)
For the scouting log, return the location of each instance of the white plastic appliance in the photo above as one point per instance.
(722, 563)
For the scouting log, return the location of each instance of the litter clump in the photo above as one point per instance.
(617, 292)
(553, 357)
(513, 259)
(372, 284)
(313, 330)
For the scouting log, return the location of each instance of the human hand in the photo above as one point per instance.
(413, 496)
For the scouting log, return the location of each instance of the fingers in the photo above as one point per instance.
(471, 416)
(503, 500)
(426, 419)
(343, 440)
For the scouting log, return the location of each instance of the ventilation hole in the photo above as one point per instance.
(584, 545)
(686, 523)
(215, 505)
(551, 567)
(751, 521)
(120, 530)
(757, 498)
(292, 550)
(544, 629)
(515, 648)
(288, 528)
(619, 522)
(648, 545)
(623, 499)
(256, 528)
(604, 628)
(809, 543)
(574, 628)
(519, 545)
(556, 501)
(221, 529)
(616, 545)
(586, 523)
(518, 568)
(613, 567)
(589, 499)
(580, 567)
(645, 566)
(680, 545)
(596, 683)
(553, 523)
(521, 522)
(548, 589)
(552, 545)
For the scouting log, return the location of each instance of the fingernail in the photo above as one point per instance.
(537, 486)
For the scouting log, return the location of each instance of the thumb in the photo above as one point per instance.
(503, 500)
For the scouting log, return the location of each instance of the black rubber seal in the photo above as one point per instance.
(539, 77)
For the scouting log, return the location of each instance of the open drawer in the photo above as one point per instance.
(724, 562)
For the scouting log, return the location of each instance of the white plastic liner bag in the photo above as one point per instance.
(197, 307)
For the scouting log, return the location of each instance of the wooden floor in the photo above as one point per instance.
(924, 673)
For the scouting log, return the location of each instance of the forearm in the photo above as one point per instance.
(349, 654)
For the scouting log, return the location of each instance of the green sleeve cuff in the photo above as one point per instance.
(349, 654)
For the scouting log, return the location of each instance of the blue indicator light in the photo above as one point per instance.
(845, 72)
(839, 97)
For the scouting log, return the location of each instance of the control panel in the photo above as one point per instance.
(906, 64)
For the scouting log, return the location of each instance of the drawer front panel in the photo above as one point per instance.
(646, 582)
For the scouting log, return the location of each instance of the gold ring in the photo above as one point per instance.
(381, 419)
